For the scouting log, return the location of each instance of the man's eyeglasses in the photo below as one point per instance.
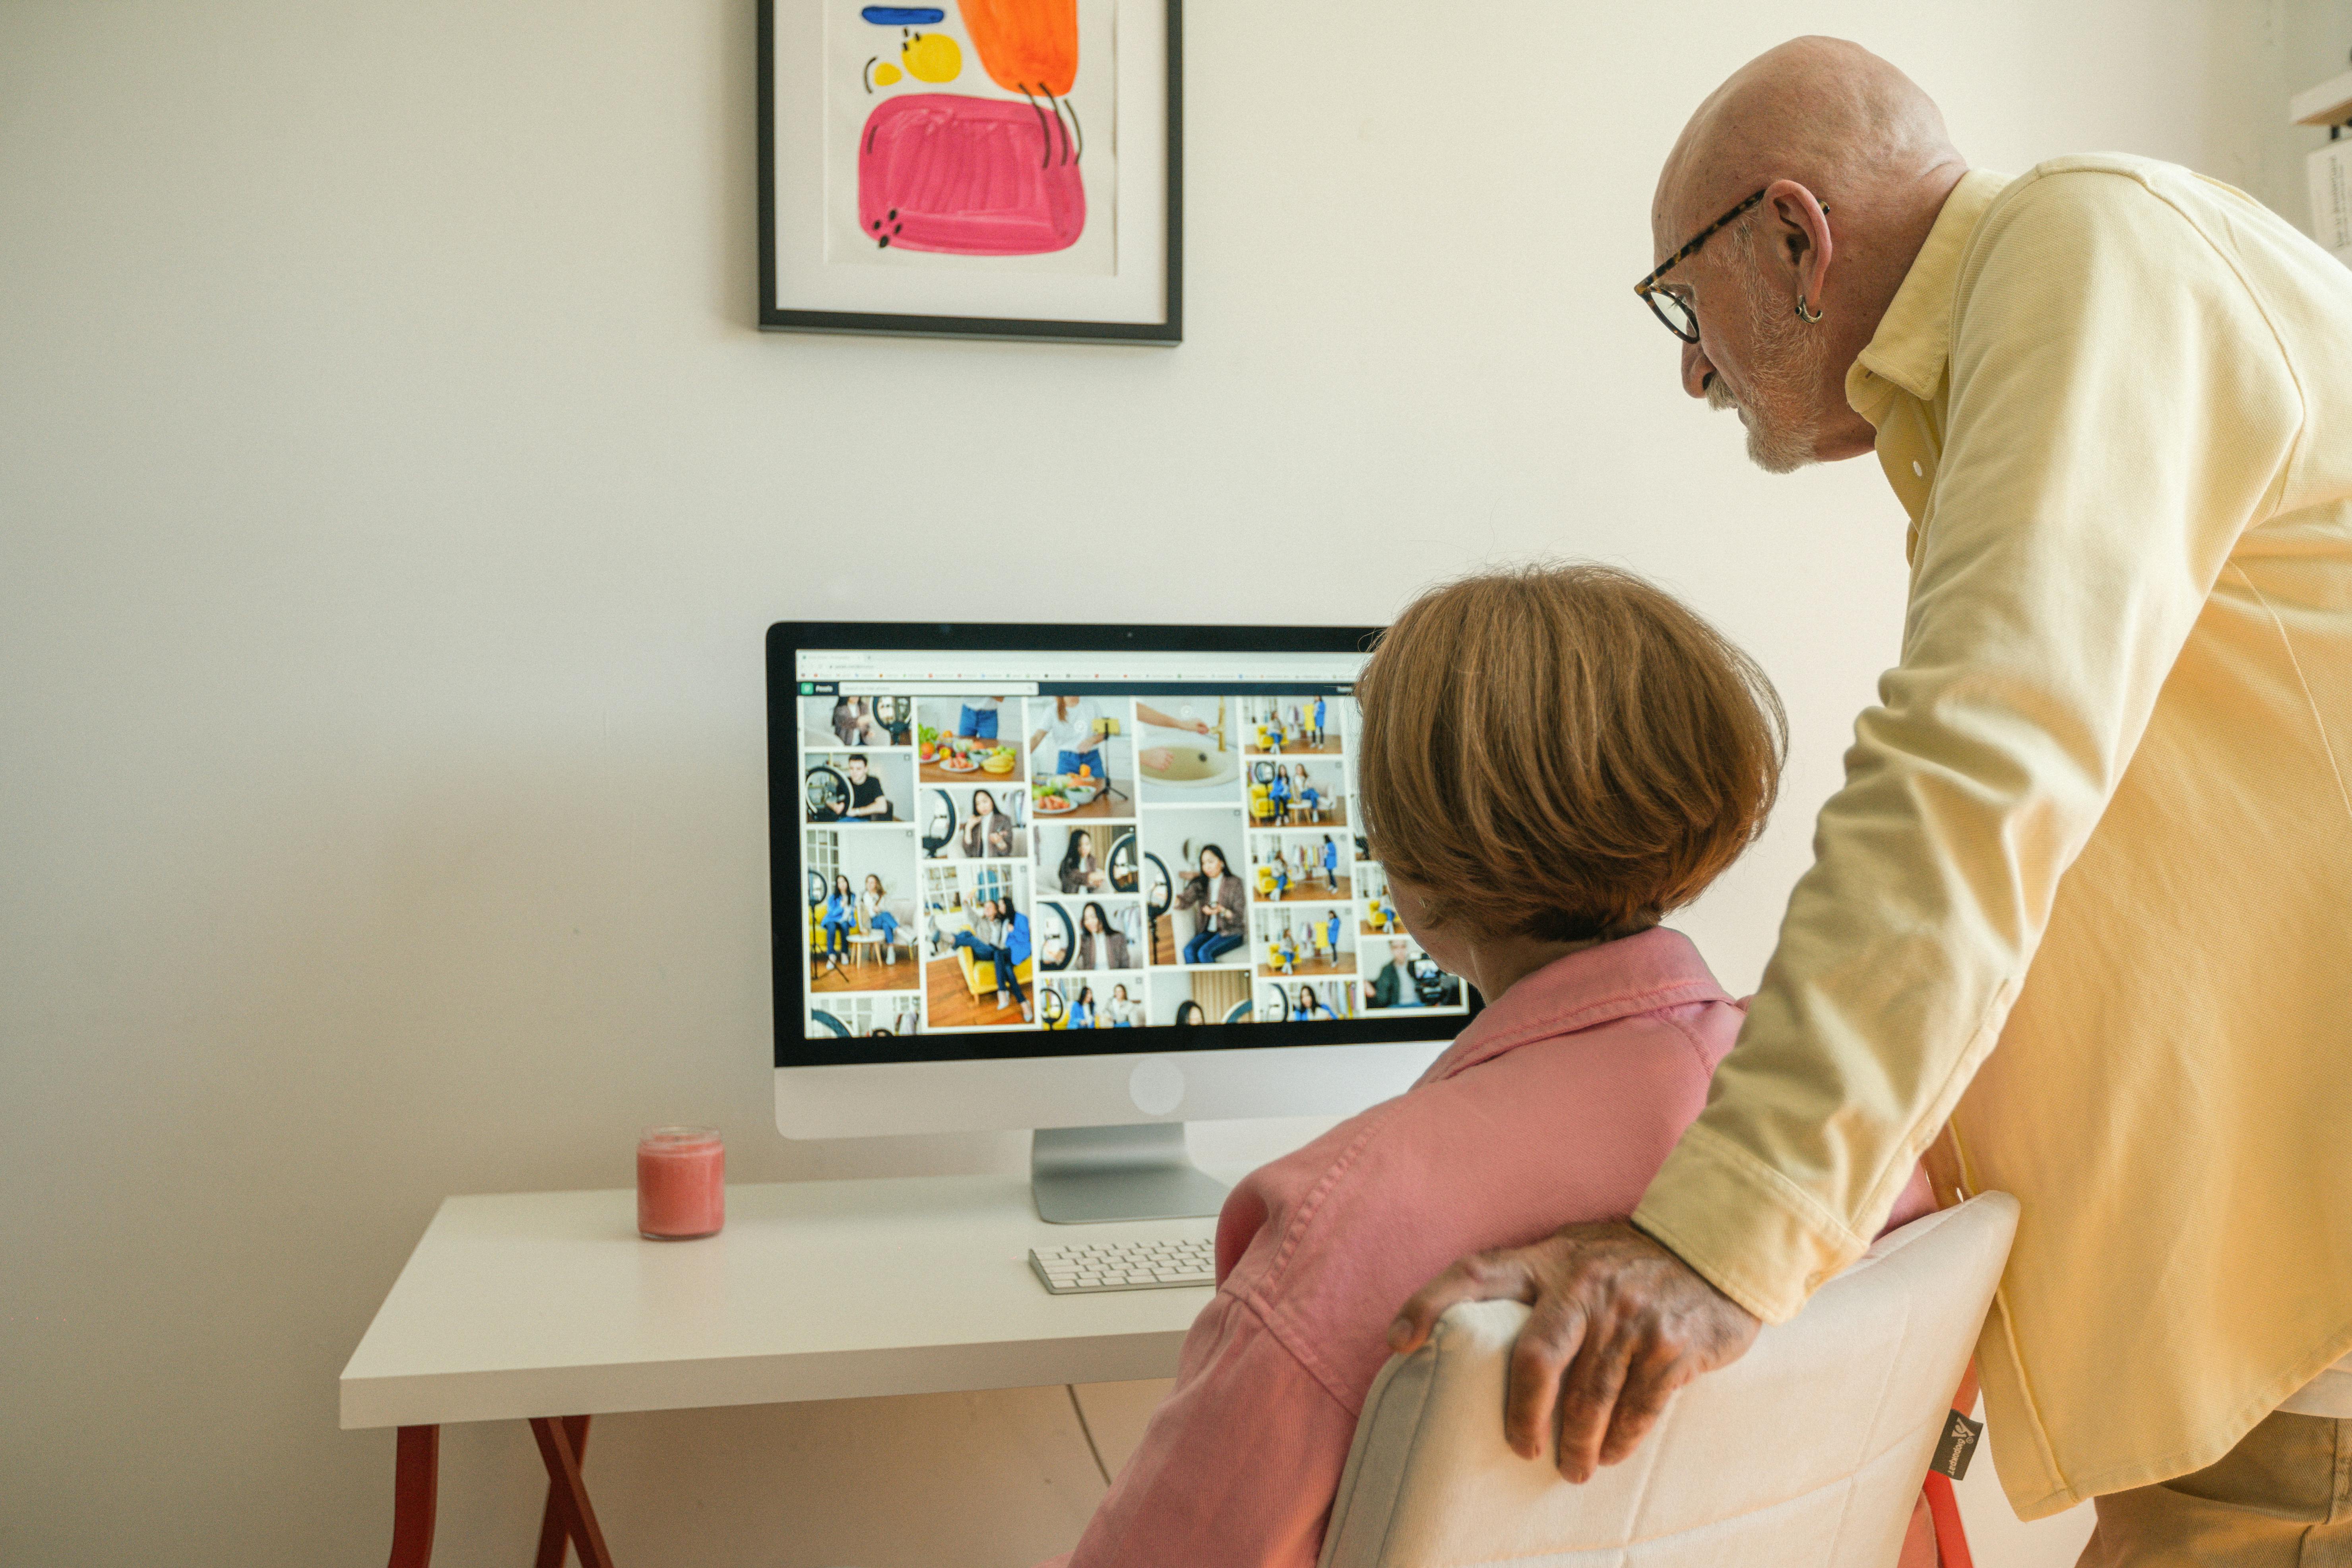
(1672, 306)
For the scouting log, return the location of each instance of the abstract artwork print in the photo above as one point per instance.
(958, 135)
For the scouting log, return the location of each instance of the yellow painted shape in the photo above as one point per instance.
(933, 57)
(885, 74)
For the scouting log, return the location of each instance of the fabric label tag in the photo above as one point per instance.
(1956, 1447)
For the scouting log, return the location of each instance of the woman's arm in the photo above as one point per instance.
(1154, 716)
(1238, 1465)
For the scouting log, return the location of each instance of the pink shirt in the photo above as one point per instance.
(1556, 1104)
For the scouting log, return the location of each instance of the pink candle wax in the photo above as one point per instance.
(681, 1182)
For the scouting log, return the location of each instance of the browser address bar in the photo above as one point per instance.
(982, 688)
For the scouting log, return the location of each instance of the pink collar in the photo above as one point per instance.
(1658, 968)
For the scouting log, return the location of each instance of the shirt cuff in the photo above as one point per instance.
(1752, 1233)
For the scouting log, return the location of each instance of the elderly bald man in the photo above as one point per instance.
(2079, 923)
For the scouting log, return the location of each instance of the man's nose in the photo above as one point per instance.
(1696, 373)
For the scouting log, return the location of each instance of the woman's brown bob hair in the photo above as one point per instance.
(1563, 752)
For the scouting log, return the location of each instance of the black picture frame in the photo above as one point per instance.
(774, 317)
(788, 905)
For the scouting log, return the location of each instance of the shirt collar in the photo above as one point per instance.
(1915, 337)
(1593, 985)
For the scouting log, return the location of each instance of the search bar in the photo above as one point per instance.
(963, 687)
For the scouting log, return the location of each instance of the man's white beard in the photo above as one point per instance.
(1786, 362)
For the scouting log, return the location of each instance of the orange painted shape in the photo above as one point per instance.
(1026, 45)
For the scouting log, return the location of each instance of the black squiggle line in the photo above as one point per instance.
(1041, 125)
(1082, 129)
(869, 74)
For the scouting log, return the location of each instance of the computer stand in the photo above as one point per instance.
(1085, 1175)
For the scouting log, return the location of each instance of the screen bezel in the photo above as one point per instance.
(786, 914)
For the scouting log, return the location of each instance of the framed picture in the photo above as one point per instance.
(974, 168)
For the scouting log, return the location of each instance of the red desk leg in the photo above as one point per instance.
(552, 1535)
(1943, 1508)
(416, 1475)
(566, 1488)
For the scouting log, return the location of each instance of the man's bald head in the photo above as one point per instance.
(1785, 298)
(1823, 112)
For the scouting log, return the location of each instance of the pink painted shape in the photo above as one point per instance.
(969, 176)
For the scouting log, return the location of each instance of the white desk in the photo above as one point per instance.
(547, 1306)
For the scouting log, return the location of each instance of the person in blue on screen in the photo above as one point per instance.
(1331, 930)
(1076, 726)
(875, 906)
(840, 920)
(1000, 937)
(978, 719)
(1331, 866)
(1319, 720)
(1016, 948)
(1309, 1005)
(1082, 1011)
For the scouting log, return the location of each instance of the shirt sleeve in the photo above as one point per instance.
(1238, 1467)
(2119, 411)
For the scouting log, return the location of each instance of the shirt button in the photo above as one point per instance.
(1917, 469)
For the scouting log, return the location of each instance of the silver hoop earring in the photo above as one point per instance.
(1808, 315)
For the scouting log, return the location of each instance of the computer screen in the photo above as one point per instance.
(993, 840)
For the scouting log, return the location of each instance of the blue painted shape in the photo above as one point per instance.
(903, 16)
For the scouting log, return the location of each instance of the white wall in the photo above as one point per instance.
(2261, 53)
(392, 496)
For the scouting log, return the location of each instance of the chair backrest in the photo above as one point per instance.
(1808, 1451)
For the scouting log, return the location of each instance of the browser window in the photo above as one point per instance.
(1002, 841)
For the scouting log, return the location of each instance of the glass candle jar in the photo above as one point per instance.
(681, 1182)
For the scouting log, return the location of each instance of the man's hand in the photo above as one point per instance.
(1619, 1324)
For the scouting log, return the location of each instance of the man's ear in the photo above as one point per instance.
(1801, 236)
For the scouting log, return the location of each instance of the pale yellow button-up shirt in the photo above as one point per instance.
(2087, 890)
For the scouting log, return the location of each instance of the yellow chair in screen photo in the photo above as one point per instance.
(979, 974)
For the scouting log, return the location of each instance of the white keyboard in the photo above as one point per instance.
(1126, 1265)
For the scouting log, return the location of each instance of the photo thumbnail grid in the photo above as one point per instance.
(980, 862)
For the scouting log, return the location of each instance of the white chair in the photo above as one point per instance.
(1807, 1452)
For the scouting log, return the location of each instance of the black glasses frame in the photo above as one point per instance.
(1648, 287)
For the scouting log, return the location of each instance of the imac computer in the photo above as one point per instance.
(1090, 881)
